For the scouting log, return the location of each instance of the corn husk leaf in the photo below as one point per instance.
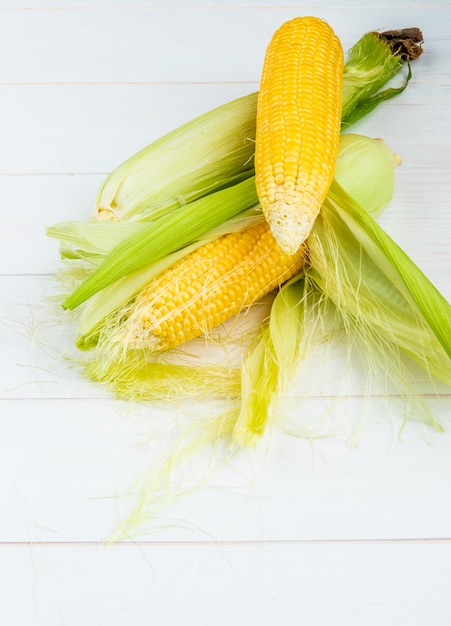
(211, 152)
(165, 236)
(372, 62)
(91, 241)
(101, 311)
(380, 299)
(423, 304)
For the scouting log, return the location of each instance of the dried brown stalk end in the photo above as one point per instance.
(405, 43)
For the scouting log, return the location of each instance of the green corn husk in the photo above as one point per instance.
(354, 155)
(165, 236)
(211, 152)
(115, 364)
(371, 63)
(92, 241)
(383, 303)
(350, 230)
(104, 306)
(270, 362)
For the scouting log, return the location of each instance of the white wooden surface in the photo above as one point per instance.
(334, 531)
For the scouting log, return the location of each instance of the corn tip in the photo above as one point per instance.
(290, 225)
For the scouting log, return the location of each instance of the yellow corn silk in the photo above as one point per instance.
(298, 126)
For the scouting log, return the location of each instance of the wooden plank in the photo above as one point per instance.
(121, 5)
(38, 356)
(147, 44)
(69, 465)
(67, 129)
(28, 206)
(321, 584)
(350, 528)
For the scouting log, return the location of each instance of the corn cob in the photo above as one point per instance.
(298, 126)
(208, 286)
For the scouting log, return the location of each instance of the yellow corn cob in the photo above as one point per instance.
(298, 126)
(207, 287)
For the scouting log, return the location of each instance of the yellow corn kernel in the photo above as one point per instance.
(207, 287)
(298, 126)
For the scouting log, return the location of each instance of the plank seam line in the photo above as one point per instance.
(244, 542)
(196, 7)
(426, 396)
